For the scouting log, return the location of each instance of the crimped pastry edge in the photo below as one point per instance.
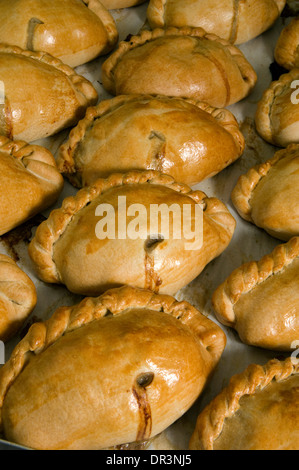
(42, 335)
(263, 119)
(18, 277)
(211, 420)
(246, 70)
(284, 54)
(66, 160)
(47, 234)
(80, 83)
(247, 183)
(102, 12)
(245, 278)
(33, 158)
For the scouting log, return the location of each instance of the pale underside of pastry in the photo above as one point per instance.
(236, 21)
(179, 62)
(115, 4)
(286, 51)
(17, 298)
(42, 96)
(257, 411)
(277, 114)
(111, 370)
(74, 31)
(267, 195)
(186, 139)
(260, 300)
(29, 180)
(70, 247)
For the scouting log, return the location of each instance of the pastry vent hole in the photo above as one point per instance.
(145, 379)
(153, 241)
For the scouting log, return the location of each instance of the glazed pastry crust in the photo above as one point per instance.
(123, 73)
(218, 228)
(277, 215)
(161, 128)
(237, 22)
(206, 338)
(277, 114)
(17, 298)
(213, 419)
(272, 325)
(286, 50)
(31, 180)
(19, 117)
(73, 31)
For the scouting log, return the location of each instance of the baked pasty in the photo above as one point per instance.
(277, 114)
(186, 139)
(261, 299)
(29, 182)
(179, 62)
(237, 22)
(268, 196)
(17, 297)
(259, 410)
(74, 31)
(111, 370)
(42, 95)
(286, 50)
(115, 4)
(90, 254)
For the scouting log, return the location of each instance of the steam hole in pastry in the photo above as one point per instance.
(152, 241)
(32, 25)
(145, 379)
(157, 135)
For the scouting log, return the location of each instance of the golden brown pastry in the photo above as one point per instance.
(42, 95)
(111, 370)
(186, 139)
(277, 115)
(17, 297)
(267, 195)
(235, 21)
(74, 31)
(179, 62)
(257, 411)
(260, 300)
(286, 50)
(115, 4)
(29, 182)
(128, 245)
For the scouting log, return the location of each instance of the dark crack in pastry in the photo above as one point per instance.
(186, 139)
(111, 370)
(260, 300)
(179, 62)
(29, 182)
(236, 21)
(90, 254)
(259, 410)
(18, 298)
(116, 4)
(74, 31)
(267, 195)
(42, 96)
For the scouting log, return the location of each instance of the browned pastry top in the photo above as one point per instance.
(111, 370)
(179, 62)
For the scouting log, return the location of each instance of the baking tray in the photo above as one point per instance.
(248, 243)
